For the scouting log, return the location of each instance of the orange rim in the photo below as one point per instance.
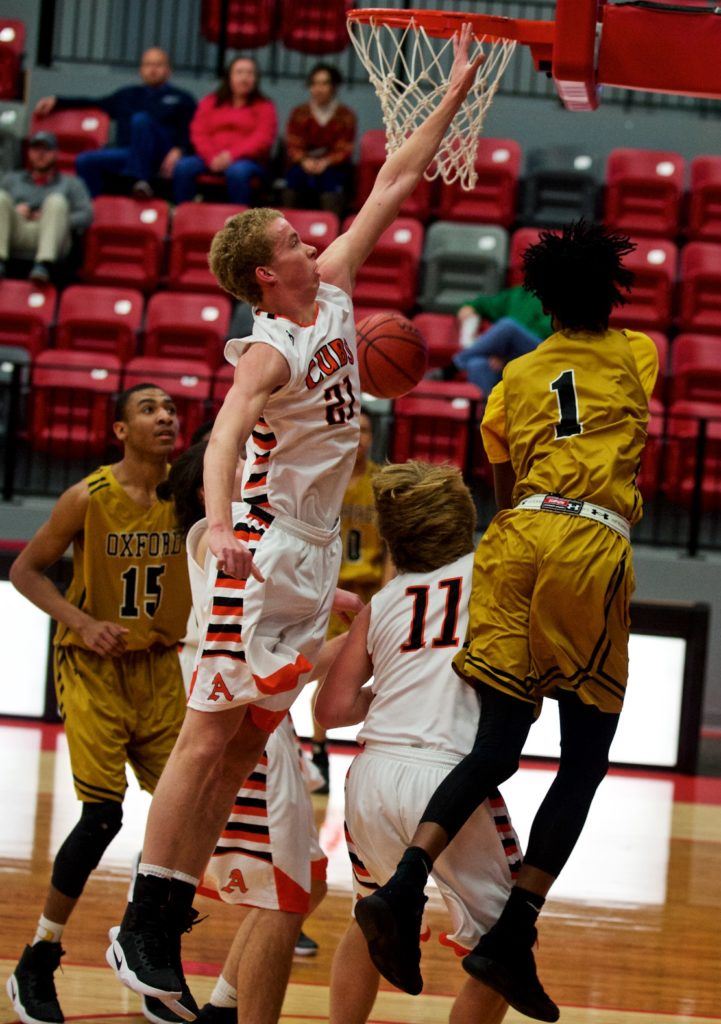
(443, 24)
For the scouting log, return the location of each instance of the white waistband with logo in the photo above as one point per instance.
(576, 507)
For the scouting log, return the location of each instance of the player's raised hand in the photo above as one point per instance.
(346, 604)
(463, 72)
(234, 556)
(105, 638)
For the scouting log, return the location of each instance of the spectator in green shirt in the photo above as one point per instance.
(519, 324)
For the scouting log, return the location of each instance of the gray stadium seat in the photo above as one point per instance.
(13, 122)
(561, 185)
(462, 260)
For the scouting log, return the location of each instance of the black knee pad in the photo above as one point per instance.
(81, 852)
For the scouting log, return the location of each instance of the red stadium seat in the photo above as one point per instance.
(684, 427)
(361, 312)
(493, 198)
(696, 368)
(649, 305)
(314, 227)
(187, 325)
(643, 192)
(390, 274)
(71, 402)
(520, 240)
(76, 130)
(94, 318)
(314, 28)
(441, 333)
(27, 313)
(220, 387)
(12, 46)
(431, 429)
(372, 158)
(187, 381)
(194, 225)
(124, 245)
(249, 23)
(700, 303)
(704, 217)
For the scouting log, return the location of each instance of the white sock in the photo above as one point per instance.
(469, 331)
(224, 994)
(178, 876)
(155, 870)
(48, 931)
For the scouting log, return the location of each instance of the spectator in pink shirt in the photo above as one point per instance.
(233, 132)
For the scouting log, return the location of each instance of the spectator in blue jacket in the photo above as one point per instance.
(152, 121)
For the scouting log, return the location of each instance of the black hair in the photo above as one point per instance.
(183, 484)
(121, 403)
(578, 274)
(336, 78)
(223, 94)
(202, 433)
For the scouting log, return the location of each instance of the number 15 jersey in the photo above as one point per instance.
(571, 417)
(418, 623)
(300, 454)
(129, 567)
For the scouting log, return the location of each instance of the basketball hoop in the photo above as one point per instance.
(408, 56)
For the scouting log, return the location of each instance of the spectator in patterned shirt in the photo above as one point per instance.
(233, 132)
(319, 144)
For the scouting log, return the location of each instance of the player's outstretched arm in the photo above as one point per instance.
(259, 372)
(399, 175)
(343, 698)
(28, 574)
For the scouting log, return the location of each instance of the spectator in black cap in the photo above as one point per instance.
(40, 208)
(152, 120)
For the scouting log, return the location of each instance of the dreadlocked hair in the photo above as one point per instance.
(182, 486)
(578, 274)
(426, 514)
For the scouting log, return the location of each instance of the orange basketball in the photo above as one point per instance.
(392, 355)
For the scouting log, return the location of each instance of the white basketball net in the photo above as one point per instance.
(409, 72)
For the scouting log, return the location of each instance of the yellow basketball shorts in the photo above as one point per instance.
(118, 710)
(550, 608)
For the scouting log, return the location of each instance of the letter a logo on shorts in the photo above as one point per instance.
(235, 882)
(219, 689)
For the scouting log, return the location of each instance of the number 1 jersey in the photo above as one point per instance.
(418, 623)
(129, 567)
(300, 454)
(571, 417)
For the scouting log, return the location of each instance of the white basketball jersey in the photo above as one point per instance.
(418, 623)
(300, 455)
(200, 591)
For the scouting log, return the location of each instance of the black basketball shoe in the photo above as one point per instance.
(180, 920)
(391, 920)
(210, 1014)
(31, 986)
(509, 968)
(139, 952)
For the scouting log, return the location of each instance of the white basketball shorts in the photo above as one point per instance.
(387, 790)
(259, 641)
(269, 853)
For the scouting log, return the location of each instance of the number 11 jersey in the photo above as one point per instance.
(300, 454)
(418, 623)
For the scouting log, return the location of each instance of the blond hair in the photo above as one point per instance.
(426, 514)
(239, 248)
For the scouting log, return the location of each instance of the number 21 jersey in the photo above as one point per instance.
(300, 454)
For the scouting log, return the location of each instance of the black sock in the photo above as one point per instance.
(151, 889)
(520, 914)
(414, 867)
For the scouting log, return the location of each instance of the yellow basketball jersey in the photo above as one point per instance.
(571, 417)
(129, 567)
(362, 545)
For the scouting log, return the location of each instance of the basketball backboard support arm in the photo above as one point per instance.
(668, 46)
